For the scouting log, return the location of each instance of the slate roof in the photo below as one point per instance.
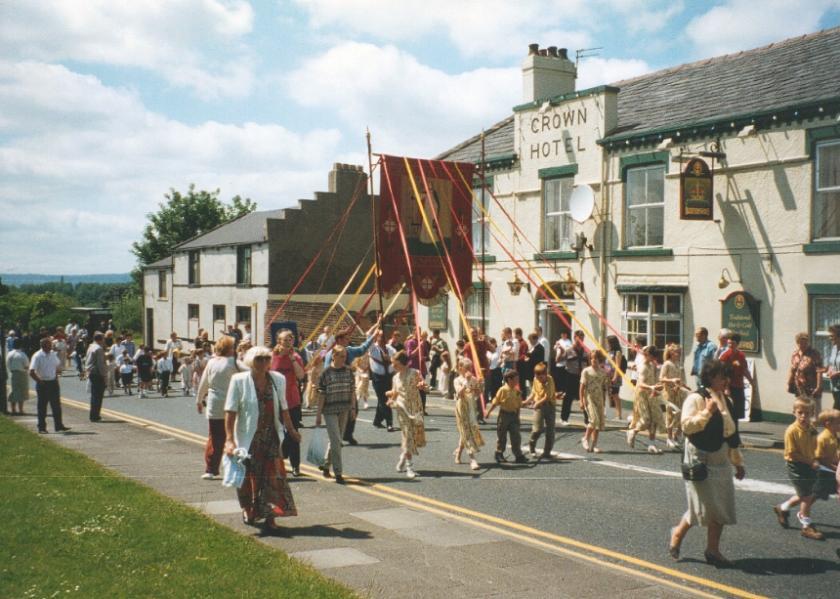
(790, 72)
(162, 263)
(250, 228)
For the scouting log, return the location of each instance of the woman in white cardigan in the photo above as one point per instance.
(254, 409)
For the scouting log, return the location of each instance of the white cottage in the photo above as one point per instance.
(716, 191)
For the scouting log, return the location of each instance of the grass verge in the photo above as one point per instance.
(70, 527)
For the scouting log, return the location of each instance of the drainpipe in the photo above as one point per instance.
(605, 220)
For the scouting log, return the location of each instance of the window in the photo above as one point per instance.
(478, 299)
(194, 268)
(557, 229)
(480, 224)
(162, 284)
(827, 192)
(825, 311)
(218, 312)
(658, 316)
(243, 265)
(192, 311)
(243, 314)
(644, 192)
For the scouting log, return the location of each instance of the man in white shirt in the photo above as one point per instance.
(381, 374)
(44, 370)
(544, 342)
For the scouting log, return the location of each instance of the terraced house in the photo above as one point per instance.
(715, 200)
(242, 272)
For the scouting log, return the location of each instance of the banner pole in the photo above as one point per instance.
(374, 224)
(483, 247)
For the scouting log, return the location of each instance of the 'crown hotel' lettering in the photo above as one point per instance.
(558, 120)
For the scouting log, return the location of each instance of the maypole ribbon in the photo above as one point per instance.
(338, 299)
(545, 286)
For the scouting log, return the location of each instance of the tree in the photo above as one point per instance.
(127, 313)
(182, 217)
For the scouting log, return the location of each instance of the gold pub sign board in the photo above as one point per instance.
(741, 313)
(696, 191)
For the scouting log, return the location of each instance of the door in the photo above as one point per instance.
(551, 322)
(150, 327)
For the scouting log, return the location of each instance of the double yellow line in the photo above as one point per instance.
(614, 560)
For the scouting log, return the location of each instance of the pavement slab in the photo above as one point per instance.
(339, 557)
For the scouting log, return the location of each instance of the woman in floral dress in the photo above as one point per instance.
(674, 391)
(646, 402)
(405, 400)
(594, 390)
(467, 393)
(254, 409)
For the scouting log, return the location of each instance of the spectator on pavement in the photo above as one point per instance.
(833, 372)
(97, 373)
(255, 412)
(45, 369)
(703, 352)
(804, 376)
(17, 365)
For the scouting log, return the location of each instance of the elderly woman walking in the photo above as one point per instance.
(467, 393)
(287, 362)
(806, 366)
(18, 366)
(210, 399)
(711, 450)
(255, 407)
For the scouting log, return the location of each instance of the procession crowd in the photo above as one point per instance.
(254, 399)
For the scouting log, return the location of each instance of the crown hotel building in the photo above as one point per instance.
(713, 200)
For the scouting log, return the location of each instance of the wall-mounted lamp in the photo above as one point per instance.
(517, 284)
(725, 278)
(569, 284)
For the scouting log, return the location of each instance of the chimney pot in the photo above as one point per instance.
(533, 49)
(563, 53)
(552, 50)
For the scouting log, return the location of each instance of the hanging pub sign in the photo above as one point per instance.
(438, 317)
(696, 191)
(425, 219)
(740, 313)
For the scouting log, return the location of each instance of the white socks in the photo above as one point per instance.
(805, 521)
(785, 506)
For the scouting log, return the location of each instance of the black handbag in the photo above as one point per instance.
(695, 472)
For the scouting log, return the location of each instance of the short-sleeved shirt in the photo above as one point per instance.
(800, 444)
(46, 365)
(738, 361)
(827, 447)
(508, 399)
(545, 390)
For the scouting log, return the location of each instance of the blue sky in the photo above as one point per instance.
(106, 104)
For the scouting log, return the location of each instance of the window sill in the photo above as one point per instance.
(243, 285)
(822, 247)
(485, 258)
(194, 285)
(556, 255)
(643, 253)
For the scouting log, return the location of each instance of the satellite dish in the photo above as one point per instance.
(582, 203)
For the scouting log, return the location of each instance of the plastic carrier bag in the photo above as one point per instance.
(317, 451)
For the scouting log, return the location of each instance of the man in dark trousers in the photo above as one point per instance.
(44, 370)
(97, 374)
(577, 358)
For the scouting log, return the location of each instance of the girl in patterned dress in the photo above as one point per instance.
(674, 392)
(594, 389)
(361, 367)
(314, 370)
(646, 402)
(467, 393)
(405, 400)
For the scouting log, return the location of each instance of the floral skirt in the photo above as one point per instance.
(266, 492)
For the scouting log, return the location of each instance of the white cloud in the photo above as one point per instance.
(596, 71)
(172, 38)
(742, 24)
(490, 28)
(409, 107)
(81, 164)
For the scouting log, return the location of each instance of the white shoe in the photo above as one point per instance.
(670, 443)
(364, 405)
(474, 465)
(631, 438)
(208, 476)
(401, 464)
(585, 443)
(654, 450)
(409, 471)
(564, 423)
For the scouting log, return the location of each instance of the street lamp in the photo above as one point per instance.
(517, 284)
(568, 285)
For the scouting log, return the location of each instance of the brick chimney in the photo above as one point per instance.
(344, 178)
(546, 73)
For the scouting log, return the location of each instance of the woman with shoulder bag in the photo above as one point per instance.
(711, 449)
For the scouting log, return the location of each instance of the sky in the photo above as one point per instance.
(106, 105)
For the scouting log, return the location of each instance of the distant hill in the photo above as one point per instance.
(15, 280)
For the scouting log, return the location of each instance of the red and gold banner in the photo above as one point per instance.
(426, 209)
